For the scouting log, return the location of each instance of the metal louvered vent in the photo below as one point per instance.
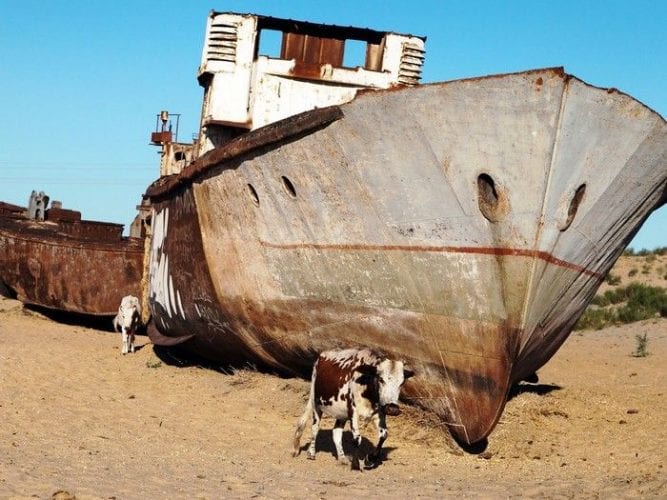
(222, 40)
(412, 60)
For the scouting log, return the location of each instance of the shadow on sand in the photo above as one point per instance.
(325, 444)
(75, 319)
(177, 355)
(539, 389)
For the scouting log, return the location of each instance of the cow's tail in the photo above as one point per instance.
(307, 415)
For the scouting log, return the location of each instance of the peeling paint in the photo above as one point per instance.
(162, 290)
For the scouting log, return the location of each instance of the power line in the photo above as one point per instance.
(60, 167)
(35, 162)
(103, 182)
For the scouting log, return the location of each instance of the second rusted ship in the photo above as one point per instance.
(50, 257)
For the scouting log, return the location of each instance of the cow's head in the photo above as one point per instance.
(388, 376)
(130, 305)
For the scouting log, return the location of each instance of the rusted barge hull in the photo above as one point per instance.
(82, 267)
(461, 226)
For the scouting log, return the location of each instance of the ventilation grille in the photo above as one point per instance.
(412, 60)
(222, 40)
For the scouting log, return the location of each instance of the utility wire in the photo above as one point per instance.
(102, 182)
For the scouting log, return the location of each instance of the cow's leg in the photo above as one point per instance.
(380, 422)
(125, 340)
(133, 328)
(356, 437)
(317, 416)
(337, 434)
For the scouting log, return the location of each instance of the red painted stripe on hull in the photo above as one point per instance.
(498, 251)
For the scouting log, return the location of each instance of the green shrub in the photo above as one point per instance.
(641, 348)
(632, 272)
(653, 297)
(595, 319)
(612, 297)
(643, 302)
(631, 314)
(600, 301)
(638, 301)
(612, 279)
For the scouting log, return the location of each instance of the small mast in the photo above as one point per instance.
(174, 155)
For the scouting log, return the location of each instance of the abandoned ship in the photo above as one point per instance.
(461, 226)
(51, 258)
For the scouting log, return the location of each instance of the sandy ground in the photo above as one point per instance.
(79, 417)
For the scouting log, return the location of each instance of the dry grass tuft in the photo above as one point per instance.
(419, 426)
(547, 412)
(248, 378)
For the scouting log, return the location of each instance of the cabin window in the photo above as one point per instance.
(289, 187)
(270, 42)
(253, 194)
(355, 53)
(312, 49)
(574, 206)
(491, 198)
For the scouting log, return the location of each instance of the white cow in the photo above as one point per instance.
(352, 385)
(127, 321)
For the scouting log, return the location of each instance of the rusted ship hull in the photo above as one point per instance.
(67, 267)
(461, 226)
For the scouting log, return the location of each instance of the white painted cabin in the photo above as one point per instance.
(245, 89)
(313, 67)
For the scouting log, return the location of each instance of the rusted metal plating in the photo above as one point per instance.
(66, 264)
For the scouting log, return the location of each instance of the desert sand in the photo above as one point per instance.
(81, 420)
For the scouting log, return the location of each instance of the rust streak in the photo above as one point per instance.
(496, 251)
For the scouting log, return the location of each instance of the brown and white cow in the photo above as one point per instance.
(352, 385)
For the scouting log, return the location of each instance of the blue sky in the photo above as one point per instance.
(82, 80)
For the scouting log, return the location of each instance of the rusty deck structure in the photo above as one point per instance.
(56, 260)
(462, 226)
